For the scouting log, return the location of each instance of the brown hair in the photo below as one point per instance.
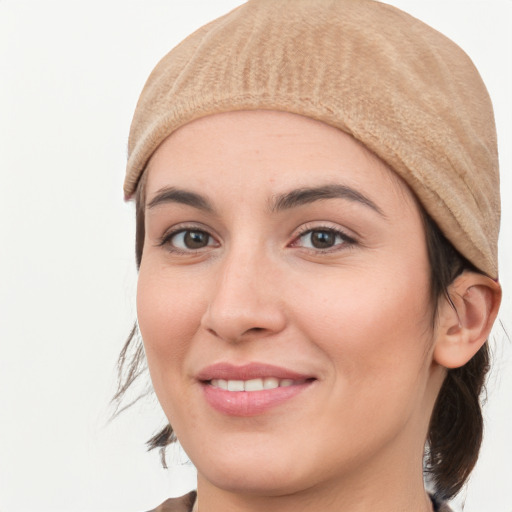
(456, 426)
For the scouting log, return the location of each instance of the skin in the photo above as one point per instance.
(355, 315)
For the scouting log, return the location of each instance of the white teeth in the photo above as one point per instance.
(222, 384)
(252, 384)
(235, 385)
(270, 383)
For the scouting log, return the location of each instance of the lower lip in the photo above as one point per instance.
(250, 403)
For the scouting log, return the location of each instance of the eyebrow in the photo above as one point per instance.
(177, 195)
(308, 195)
(288, 200)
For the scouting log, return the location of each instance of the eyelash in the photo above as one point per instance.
(347, 241)
(168, 237)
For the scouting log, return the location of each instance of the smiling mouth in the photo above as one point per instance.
(259, 384)
(250, 389)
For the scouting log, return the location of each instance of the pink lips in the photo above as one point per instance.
(250, 403)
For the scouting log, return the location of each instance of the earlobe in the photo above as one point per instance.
(465, 323)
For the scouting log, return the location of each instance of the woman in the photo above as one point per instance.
(317, 217)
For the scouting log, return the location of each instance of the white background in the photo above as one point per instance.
(70, 75)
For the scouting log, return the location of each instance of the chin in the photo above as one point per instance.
(258, 482)
(249, 473)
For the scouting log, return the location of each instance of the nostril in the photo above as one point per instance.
(254, 330)
(234, 323)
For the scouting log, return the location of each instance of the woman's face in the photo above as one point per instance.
(285, 262)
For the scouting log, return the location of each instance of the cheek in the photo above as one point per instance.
(374, 325)
(169, 314)
(377, 344)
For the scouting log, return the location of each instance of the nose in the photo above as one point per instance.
(245, 301)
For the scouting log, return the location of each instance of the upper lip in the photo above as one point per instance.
(228, 371)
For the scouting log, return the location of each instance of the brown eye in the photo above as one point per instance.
(196, 239)
(323, 239)
(189, 239)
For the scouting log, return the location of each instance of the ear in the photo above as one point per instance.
(465, 323)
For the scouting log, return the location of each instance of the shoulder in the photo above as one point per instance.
(181, 504)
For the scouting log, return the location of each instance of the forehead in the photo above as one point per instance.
(271, 152)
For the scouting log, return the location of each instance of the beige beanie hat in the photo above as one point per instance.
(404, 90)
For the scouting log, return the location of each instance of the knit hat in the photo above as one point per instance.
(404, 90)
